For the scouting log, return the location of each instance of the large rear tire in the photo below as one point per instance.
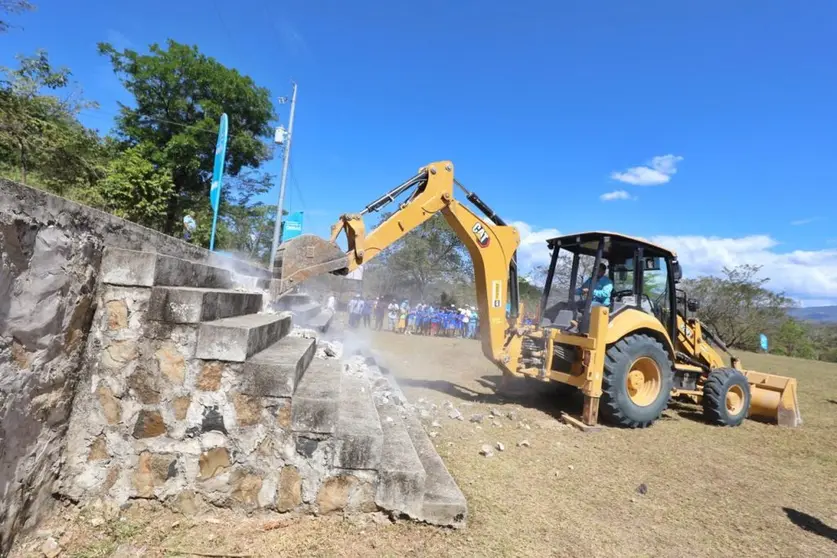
(726, 397)
(636, 387)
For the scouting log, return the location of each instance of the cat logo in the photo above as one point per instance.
(482, 236)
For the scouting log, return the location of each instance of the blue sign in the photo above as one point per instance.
(763, 341)
(217, 176)
(292, 226)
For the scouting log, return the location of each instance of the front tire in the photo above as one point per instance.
(638, 376)
(726, 397)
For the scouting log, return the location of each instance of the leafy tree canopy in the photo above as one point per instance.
(179, 96)
(12, 7)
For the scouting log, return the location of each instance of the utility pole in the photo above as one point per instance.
(278, 227)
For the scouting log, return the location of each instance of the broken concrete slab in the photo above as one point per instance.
(401, 475)
(316, 402)
(305, 311)
(188, 305)
(277, 370)
(321, 321)
(359, 435)
(237, 338)
(290, 300)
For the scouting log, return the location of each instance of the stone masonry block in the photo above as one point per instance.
(359, 435)
(192, 305)
(401, 476)
(127, 267)
(444, 504)
(276, 371)
(236, 339)
(175, 272)
(316, 403)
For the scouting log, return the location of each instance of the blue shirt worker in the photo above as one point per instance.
(604, 286)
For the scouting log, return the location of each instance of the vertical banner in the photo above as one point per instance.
(763, 342)
(292, 226)
(217, 176)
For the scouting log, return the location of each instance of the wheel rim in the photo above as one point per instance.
(735, 400)
(644, 381)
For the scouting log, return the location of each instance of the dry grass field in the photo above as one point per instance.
(757, 490)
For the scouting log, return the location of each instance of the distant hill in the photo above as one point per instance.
(815, 313)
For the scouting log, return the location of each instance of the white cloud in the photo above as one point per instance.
(615, 195)
(806, 275)
(658, 171)
(806, 221)
(809, 276)
(532, 251)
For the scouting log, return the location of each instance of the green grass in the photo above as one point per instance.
(746, 491)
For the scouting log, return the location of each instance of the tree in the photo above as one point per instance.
(432, 253)
(40, 132)
(738, 306)
(179, 97)
(135, 188)
(247, 225)
(530, 296)
(793, 339)
(13, 7)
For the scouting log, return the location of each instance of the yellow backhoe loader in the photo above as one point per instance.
(629, 356)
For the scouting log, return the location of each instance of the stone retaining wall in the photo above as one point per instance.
(136, 366)
(49, 264)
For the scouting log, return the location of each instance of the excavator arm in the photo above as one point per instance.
(490, 242)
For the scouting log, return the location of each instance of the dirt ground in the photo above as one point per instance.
(678, 488)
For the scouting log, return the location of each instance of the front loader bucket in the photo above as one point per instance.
(773, 398)
(304, 257)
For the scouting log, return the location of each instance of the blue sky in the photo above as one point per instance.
(711, 125)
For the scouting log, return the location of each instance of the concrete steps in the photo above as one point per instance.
(237, 338)
(132, 268)
(147, 269)
(277, 370)
(432, 495)
(359, 436)
(316, 402)
(401, 475)
(442, 503)
(190, 305)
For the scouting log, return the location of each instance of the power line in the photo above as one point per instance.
(224, 25)
(99, 113)
(296, 185)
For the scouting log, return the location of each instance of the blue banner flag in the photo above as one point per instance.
(292, 226)
(763, 341)
(217, 176)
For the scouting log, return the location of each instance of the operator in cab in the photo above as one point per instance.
(602, 290)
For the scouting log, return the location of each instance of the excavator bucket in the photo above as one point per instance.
(304, 257)
(773, 398)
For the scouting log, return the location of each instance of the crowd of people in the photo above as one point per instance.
(419, 319)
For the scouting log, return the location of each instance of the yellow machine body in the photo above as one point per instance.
(519, 350)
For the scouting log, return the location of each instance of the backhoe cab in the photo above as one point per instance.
(630, 355)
